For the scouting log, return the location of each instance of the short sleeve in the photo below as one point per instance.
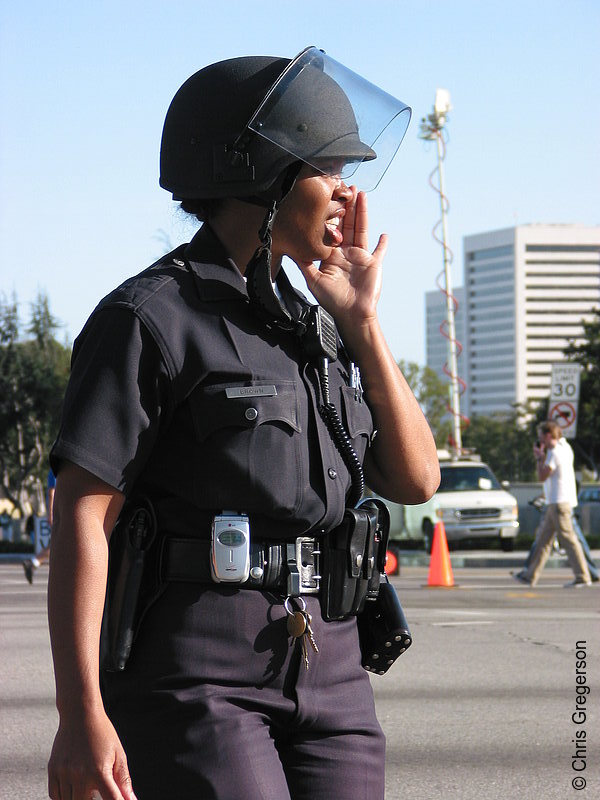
(117, 395)
(551, 460)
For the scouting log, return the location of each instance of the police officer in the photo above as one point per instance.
(208, 386)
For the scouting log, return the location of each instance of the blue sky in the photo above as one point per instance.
(84, 87)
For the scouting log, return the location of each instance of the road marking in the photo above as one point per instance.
(458, 611)
(463, 622)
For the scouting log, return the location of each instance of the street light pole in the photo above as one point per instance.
(432, 128)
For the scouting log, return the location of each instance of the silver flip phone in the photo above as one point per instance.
(230, 548)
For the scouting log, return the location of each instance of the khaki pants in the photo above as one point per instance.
(557, 521)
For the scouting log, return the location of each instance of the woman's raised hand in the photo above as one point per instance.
(348, 283)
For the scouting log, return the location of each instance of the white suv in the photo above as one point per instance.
(470, 502)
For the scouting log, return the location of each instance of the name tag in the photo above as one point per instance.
(251, 391)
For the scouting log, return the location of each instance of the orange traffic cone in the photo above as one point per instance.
(392, 566)
(440, 569)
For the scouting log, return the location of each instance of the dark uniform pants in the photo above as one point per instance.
(215, 704)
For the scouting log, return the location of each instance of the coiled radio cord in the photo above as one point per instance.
(340, 437)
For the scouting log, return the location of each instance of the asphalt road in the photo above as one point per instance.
(481, 706)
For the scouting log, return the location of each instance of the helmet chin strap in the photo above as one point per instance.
(258, 270)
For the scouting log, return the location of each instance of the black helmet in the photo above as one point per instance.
(234, 127)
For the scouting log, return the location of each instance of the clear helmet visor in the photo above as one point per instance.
(333, 119)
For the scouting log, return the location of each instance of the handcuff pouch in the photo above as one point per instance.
(383, 631)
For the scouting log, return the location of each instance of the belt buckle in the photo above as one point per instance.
(303, 562)
(308, 563)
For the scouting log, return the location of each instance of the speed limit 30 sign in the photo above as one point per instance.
(564, 397)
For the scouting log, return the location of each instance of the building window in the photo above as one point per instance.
(491, 252)
(562, 248)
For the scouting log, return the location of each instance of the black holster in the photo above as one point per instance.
(353, 559)
(129, 585)
(354, 583)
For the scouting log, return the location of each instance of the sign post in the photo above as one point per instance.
(41, 534)
(564, 397)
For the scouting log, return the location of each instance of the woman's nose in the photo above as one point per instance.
(342, 191)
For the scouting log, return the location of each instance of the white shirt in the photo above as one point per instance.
(560, 486)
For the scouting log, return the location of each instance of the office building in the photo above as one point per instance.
(436, 341)
(527, 290)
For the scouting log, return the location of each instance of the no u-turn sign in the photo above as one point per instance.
(564, 397)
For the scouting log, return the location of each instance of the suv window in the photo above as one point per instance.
(467, 479)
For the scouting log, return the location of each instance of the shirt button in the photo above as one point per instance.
(251, 414)
(332, 473)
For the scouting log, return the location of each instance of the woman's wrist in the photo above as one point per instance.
(360, 336)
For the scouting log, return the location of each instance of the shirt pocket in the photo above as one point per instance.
(248, 436)
(358, 419)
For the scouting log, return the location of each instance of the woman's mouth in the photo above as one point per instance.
(333, 226)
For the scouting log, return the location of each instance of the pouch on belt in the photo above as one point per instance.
(383, 631)
(130, 541)
(354, 583)
(348, 562)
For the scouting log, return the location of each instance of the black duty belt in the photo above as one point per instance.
(291, 567)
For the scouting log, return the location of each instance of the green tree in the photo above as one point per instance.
(587, 353)
(432, 394)
(34, 370)
(504, 441)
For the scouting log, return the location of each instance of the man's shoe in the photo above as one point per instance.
(576, 584)
(28, 570)
(521, 577)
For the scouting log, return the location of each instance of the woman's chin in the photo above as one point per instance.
(325, 251)
(318, 254)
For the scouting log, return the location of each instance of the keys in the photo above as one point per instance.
(304, 652)
(299, 626)
(308, 633)
(296, 624)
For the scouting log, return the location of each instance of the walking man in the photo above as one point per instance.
(554, 459)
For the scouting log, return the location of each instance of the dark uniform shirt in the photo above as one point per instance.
(178, 389)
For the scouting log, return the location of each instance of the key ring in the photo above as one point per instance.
(287, 605)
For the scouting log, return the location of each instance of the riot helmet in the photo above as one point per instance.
(235, 127)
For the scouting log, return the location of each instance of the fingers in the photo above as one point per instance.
(310, 272)
(123, 780)
(117, 792)
(349, 218)
(54, 789)
(77, 786)
(356, 220)
(361, 222)
(381, 248)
